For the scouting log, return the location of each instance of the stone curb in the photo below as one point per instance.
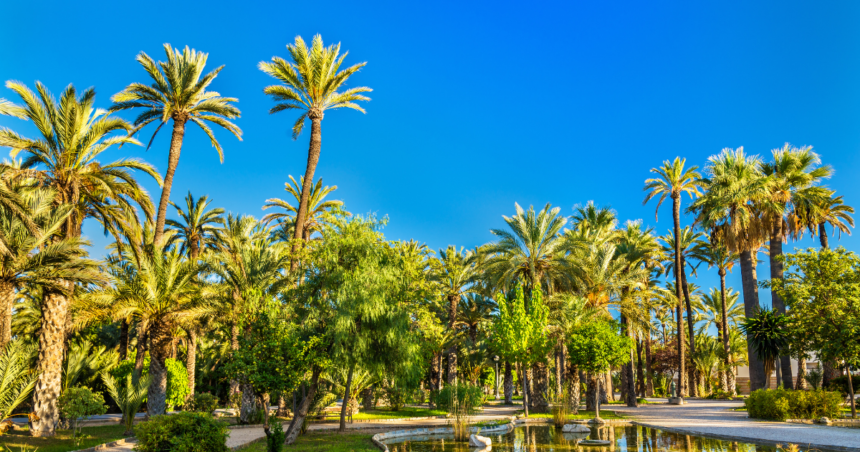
(120, 442)
(504, 428)
(743, 439)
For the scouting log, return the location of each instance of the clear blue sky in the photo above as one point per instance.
(478, 105)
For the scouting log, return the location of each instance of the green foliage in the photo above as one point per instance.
(719, 394)
(80, 402)
(520, 331)
(16, 380)
(813, 378)
(177, 378)
(463, 395)
(275, 435)
(597, 346)
(840, 384)
(767, 333)
(202, 402)
(128, 397)
(182, 432)
(781, 404)
(177, 382)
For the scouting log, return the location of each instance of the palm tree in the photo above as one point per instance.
(737, 193)
(674, 180)
(320, 209)
(159, 290)
(474, 310)
(16, 378)
(454, 271)
(177, 93)
(794, 174)
(9, 109)
(64, 158)
(826, 210)
(530, 251)
(310, 84)
(766, 335)
(196, 230)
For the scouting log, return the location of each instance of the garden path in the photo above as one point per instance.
(716, 418)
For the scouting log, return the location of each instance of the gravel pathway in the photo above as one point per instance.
(716, 418)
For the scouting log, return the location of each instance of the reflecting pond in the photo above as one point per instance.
(546, 438)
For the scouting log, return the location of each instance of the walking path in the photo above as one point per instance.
(716, 418)
(241, 436)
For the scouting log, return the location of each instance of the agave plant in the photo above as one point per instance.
(16, 379)
(129, 397)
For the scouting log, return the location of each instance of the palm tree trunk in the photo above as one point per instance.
(525, 390)
(822, 236)
(234, 345)
(452, 368)
(283, 409)
(694, 390)
(676, 217)
(140, 353)
(7, 300)
(627, 381)
(776, 272)
(249, 404)
(299, 416)
(509, 384)
(191, 360)
(538, 399)
(649, 373)
(573, 387)
(346, 398)
(800, 383)
(591, 395)
(758, 379)
(49, 365)
(724, 328)
(172, 162)
(559, 368)
(313, 158)
(159, 352)
(123, 340)
(640, 371)
(453, 303)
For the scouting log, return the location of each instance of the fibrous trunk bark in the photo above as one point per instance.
(172, 163)
(694, 390)
(123, 340)
(776, 272)
(452, 368)
(140, 353)
(800, 383)
(676, 216)
(640, 371)
(159, 338)
(234, 345)
(302, 412)
(758, 379)
(307, 183)
(7, 300)
(538, 399)
(573, 387)
(191, 360)
(822, 236)
(591, 395)
(49, 365)
(628, 381)
(649, 374)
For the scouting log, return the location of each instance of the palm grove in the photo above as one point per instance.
(335, 308)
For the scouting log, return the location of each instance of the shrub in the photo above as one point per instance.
(813, 378)
(177, 378)
(275, 436)
(182, 432)
(80, 403)
(202, 402)
(719, 394)
(781, 404)
(841, 384)
(467, 396)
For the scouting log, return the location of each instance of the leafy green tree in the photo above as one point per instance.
(596, 347)
(520, 332)
(673, 180)
(177, 93)
(310, 83)
(822, 291)
(81, 403)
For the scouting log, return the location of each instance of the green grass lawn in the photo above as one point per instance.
(322, 442)
(385, 413)
(62, 442)
(583, 414)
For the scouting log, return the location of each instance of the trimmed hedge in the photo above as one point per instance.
(781, 404)
(182, 432)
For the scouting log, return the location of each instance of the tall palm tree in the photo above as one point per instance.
(196, 230)
(320, 209)
(673, 180)
(454, 271)
(310, 83)
(714, 253)
(827, 210)
(474, 310)
(73, 134)
(177, 93)
(737, 194)
(795, 175)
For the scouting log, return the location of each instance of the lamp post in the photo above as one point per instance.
(496, 359)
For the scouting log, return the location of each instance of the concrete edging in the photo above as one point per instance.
(504, 428)
(742, 439)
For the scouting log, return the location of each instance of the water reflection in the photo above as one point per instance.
(549, 439)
